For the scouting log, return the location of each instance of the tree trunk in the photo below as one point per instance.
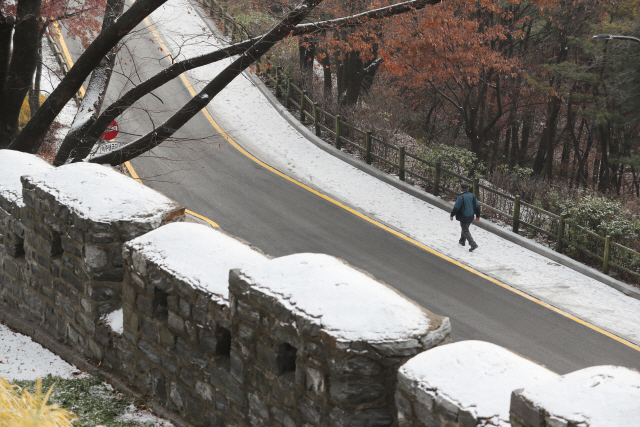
(307, 50)
(327, 76)
(369, 74)
(24, 60)
(551, 136)
(355, 76)
(603, 173)
(34, 93)
(526, 135)
(6, 31)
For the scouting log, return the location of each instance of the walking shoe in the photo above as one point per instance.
(462, 242)
(473, 247)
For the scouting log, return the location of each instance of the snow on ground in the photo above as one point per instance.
(136, 415)
(23, 359)
(478, 376)
(93, 195)
(358, 307)
(199, 255)
(246, 115)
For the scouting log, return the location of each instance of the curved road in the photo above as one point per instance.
(210, 177)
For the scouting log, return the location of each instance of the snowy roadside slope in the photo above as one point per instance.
(246, 115)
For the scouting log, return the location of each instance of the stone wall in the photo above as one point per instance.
(474, 383)
(221, 333)
(224, 349)
(84, 246)
(62, 264)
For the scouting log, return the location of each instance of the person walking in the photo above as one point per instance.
(465, 208)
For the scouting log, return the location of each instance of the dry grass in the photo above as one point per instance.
(19, 408)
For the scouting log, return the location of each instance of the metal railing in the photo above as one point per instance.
(374, 151)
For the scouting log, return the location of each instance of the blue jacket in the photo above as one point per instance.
(466, 206)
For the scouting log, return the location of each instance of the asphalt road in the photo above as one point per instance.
(207, 175)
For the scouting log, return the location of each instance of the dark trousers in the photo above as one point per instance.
(465, 233)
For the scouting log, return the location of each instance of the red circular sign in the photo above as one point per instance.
(111, 132)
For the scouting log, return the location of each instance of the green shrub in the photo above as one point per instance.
(455, 159)
(606, 218)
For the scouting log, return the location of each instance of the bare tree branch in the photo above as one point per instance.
(197, 103)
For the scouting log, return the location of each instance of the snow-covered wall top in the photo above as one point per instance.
(347, 303)
(101, 194)
(197, 255)
(13, 165)
(599, 396)
(472, 379)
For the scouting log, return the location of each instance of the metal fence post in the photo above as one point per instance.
(476, 188)
(516, 214)
(401, 164)
(338, 128)
(436, 180)
(607, 255)
(303, 101)
(367, 146)
(287, 102)
(316, 119)
(560, 236)
(278, 73)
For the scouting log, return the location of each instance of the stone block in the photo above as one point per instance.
(310, 411)
(175, 322)
(148, 350)
(101, 293)
(187, 378)
(355, 365)
(149, 330)
(205, 391)
(355, 393)
(65, 306)
(446, 408)
(258, 407)
(168, 364)
(95, 256)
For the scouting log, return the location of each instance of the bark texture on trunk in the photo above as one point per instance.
(24, 59)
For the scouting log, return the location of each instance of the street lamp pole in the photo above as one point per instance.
(610, 37)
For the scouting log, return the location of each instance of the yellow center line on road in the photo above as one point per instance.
(374, 222)
(135, 176)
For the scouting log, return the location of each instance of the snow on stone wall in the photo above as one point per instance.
(467, 383)
(221, 333)
(599, 396)
(299, 340)
(65, 269)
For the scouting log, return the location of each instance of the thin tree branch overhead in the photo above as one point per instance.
(191, 108)
(128, 99)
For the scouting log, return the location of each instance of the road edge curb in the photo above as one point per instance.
(438, 202)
